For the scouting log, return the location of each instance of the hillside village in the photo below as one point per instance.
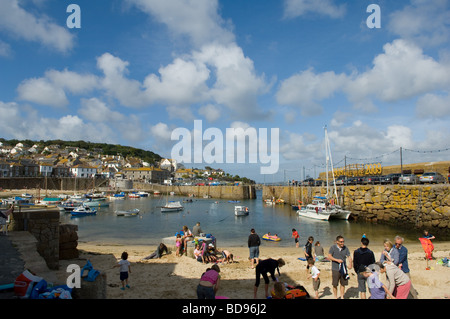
(37, 160)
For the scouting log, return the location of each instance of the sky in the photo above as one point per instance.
(132, 72)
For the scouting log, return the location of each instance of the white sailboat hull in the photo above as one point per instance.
(312, 214)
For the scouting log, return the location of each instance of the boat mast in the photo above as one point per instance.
(330, 159)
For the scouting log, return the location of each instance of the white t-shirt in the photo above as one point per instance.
(314, 272)
(124, 264)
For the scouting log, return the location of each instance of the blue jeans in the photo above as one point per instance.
(254, 252)
(205, 292)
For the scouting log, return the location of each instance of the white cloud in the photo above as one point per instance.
(51, 89)
(237, 85)
(305, 89)
(127, 91)
(211, 112)
(161, 131)
(423, 21)
(433, 106)
(180, 83)
(198, 20)
(20, 23)
(297, 8)
(42, 91)
(95, 110)
(401, 72)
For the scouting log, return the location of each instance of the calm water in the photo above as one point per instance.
(217, 217)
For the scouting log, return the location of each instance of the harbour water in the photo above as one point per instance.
(217, 217)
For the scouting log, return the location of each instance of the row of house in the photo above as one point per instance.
(53, 161)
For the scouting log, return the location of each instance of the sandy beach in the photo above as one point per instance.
(173, 277)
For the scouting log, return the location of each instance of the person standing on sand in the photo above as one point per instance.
(399, 283)
(124, 268)
(338, 254)
(296, 236)
(362, 258)
(264, 267)
(403, 262)
(253, 245)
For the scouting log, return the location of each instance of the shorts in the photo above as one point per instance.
(254, 252)
(316, 284)
(123, 275)
(361, 282)
(296, 240)
(338, 278)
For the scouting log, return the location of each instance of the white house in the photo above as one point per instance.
(168, 164)
(45, 169)
(83, 171)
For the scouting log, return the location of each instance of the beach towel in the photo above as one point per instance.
(343, 270)
(24, 283)
(92, 273)
(427, 246)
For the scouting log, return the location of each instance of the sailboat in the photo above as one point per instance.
(171, 206)
(325, 208)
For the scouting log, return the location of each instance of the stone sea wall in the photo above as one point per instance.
(220, 192)
(419, 206)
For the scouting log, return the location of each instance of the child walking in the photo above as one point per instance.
(315, 273)
(125, 268)
(296, 236)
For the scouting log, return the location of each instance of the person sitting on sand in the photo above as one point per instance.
(279, 291)
(198, 253)
(158, 252)
(318, 250)
(178, 244)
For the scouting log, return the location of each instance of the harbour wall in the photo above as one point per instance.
(52, 183)
(419, 206)
(220, 192)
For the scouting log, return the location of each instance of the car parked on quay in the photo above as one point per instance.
(408, 179)
(431, 177)
(391, 178)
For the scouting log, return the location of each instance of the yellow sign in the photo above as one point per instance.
(359, 170)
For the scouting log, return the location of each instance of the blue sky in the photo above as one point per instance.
(138, 69)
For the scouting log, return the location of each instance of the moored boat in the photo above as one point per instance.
(132, 212)
(172, 206)
(241, 210)
(83, 211)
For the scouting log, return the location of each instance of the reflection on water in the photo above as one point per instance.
(217, 217)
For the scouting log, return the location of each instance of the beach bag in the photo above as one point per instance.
(24, 284)
(298, 292)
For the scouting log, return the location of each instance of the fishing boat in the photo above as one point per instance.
(241, 210)
(172, 206)
(17, 200)
(120, 195)
(133, 195)
(69, 206)
(94, 203)
(132, 212)
(49, 201)
(143, 194)
(83, 211)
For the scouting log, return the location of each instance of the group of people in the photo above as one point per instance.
(393, 262)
